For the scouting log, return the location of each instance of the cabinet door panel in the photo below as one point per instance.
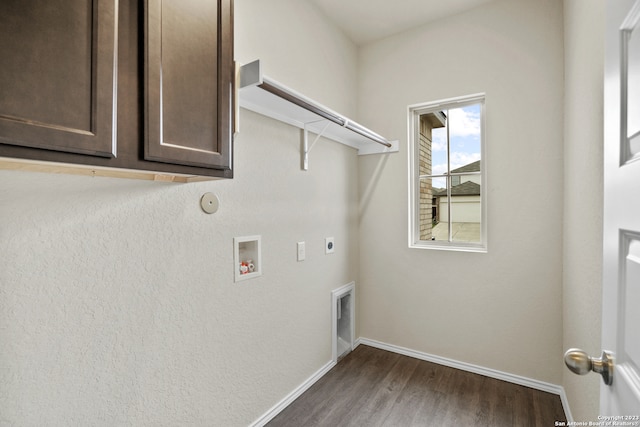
(188, 82)
(58, 75)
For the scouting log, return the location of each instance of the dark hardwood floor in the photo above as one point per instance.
(372, 387)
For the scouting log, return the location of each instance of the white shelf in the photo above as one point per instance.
(262, 95)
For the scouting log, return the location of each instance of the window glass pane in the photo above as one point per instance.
(440, 210)
(464, 138)
(466, 210)
(441, 222)
(439, 149)
(427, 215)
(439, 184)
(433, 144)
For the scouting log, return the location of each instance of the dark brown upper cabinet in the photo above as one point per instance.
(58, 75)
(140, 87)
(187, 109)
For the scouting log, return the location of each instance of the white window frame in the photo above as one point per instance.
(414, 113)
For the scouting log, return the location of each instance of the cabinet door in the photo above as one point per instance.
(57, 75)
(189, 82)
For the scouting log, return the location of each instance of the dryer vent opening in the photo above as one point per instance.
(343, 325)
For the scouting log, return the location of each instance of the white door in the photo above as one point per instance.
(621, 280)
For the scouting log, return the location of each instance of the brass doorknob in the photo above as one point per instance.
(579, 362)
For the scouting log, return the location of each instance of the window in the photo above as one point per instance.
(447, 175)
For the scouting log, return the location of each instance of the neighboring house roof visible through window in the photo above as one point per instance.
(471, 167)
(467, 188)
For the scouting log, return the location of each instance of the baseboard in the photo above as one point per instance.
(487, 372)
(280, 406)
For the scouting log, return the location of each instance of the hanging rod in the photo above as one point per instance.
(301, 101)
(251, 77)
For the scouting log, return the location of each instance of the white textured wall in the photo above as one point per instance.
(117, 300)
(299, 48)
(503, 309)
(582, 302)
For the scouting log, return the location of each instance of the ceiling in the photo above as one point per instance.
(367, 20)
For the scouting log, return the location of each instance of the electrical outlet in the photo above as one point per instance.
(301, 251)
(329, 245)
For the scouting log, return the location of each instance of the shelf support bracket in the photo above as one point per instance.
(306, 148)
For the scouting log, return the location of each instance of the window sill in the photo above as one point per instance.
(444, 246)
